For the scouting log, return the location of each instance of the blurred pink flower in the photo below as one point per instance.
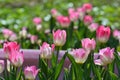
(79, 55)
(63, 21)
(88, 20)
(54, 13)
(2, 66)
(10, 47)
(46, 50)
(31, 72)
(74, 16)
(106, 56)
(59, 37)
(16, 58)
(33, 39)
(103, 34)
(81, 12)
(88, 44)
(71, 10)
(7, 33)
(87, 7)
(93, 27)
(116, 34)
(37, 20)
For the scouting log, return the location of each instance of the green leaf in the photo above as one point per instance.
(59, 67)
(113, 76)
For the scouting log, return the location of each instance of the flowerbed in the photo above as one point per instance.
(78, 35)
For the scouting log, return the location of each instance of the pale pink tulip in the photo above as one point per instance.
(74, 16)
(103, 34)
(79, 55)
(59, 37)
(7, 33)
(17, 58)
(81, 12)
(37, 20)
(106, 56)
(33, 39)
(88, 20)
(23, 32)
(88, 44)
(10, 47)
(87, 7)
(46, 51)
(54, 13)
(2, 66)
(116, 34)
(93, 27)
(71, 10)
(31, 72)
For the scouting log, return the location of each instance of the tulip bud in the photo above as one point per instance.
(13, 37)
(81, 12)
(31, 72)
(46, 51)
(79, 55)
(10, 47)
(2, 66)
(54, 13)
(87, 7)
(106, 56)
(23, 32)
(16, 58)
(59, 37)
(74, 16)
(116, 34)
(103, 34)
(88, 44)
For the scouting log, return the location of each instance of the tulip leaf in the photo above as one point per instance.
(66, 73)
(113, 76)
(59, 67)
(43, 66)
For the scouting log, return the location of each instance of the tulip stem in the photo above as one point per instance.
(58, 49)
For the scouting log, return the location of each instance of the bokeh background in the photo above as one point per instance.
(15, 14)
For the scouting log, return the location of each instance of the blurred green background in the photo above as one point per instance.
(15, 14)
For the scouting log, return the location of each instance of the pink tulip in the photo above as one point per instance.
(87, 7)
(7, 33)
(88, 20)
(81, 12)
(31, 72)
(106, 56)
(88, 44)
(17, 58)
(13, 37)
(46, 51)
(37, 20)
(54, 13)
(10, 47)
(71, 10)
(59, 37)
(79, 55)
(103, 34)
(74, 16)
(116, 34)
(63, 21)
(33, 39)
(2, 66)
(93, 27)
(23, 32)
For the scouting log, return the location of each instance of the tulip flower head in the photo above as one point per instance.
(81, 12)
(59, 37)
(116, 34)
(10, 47)
(88, 20)
(103, 34)
(54, 13)
(106, 56)
(33, 39)
(2, 66)
(31, 72)
(79, 55)
(87, 7)
(93, 27)
(37, 20)
(88, 44)
(17, 58)
(7, 33)
(46, 51)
